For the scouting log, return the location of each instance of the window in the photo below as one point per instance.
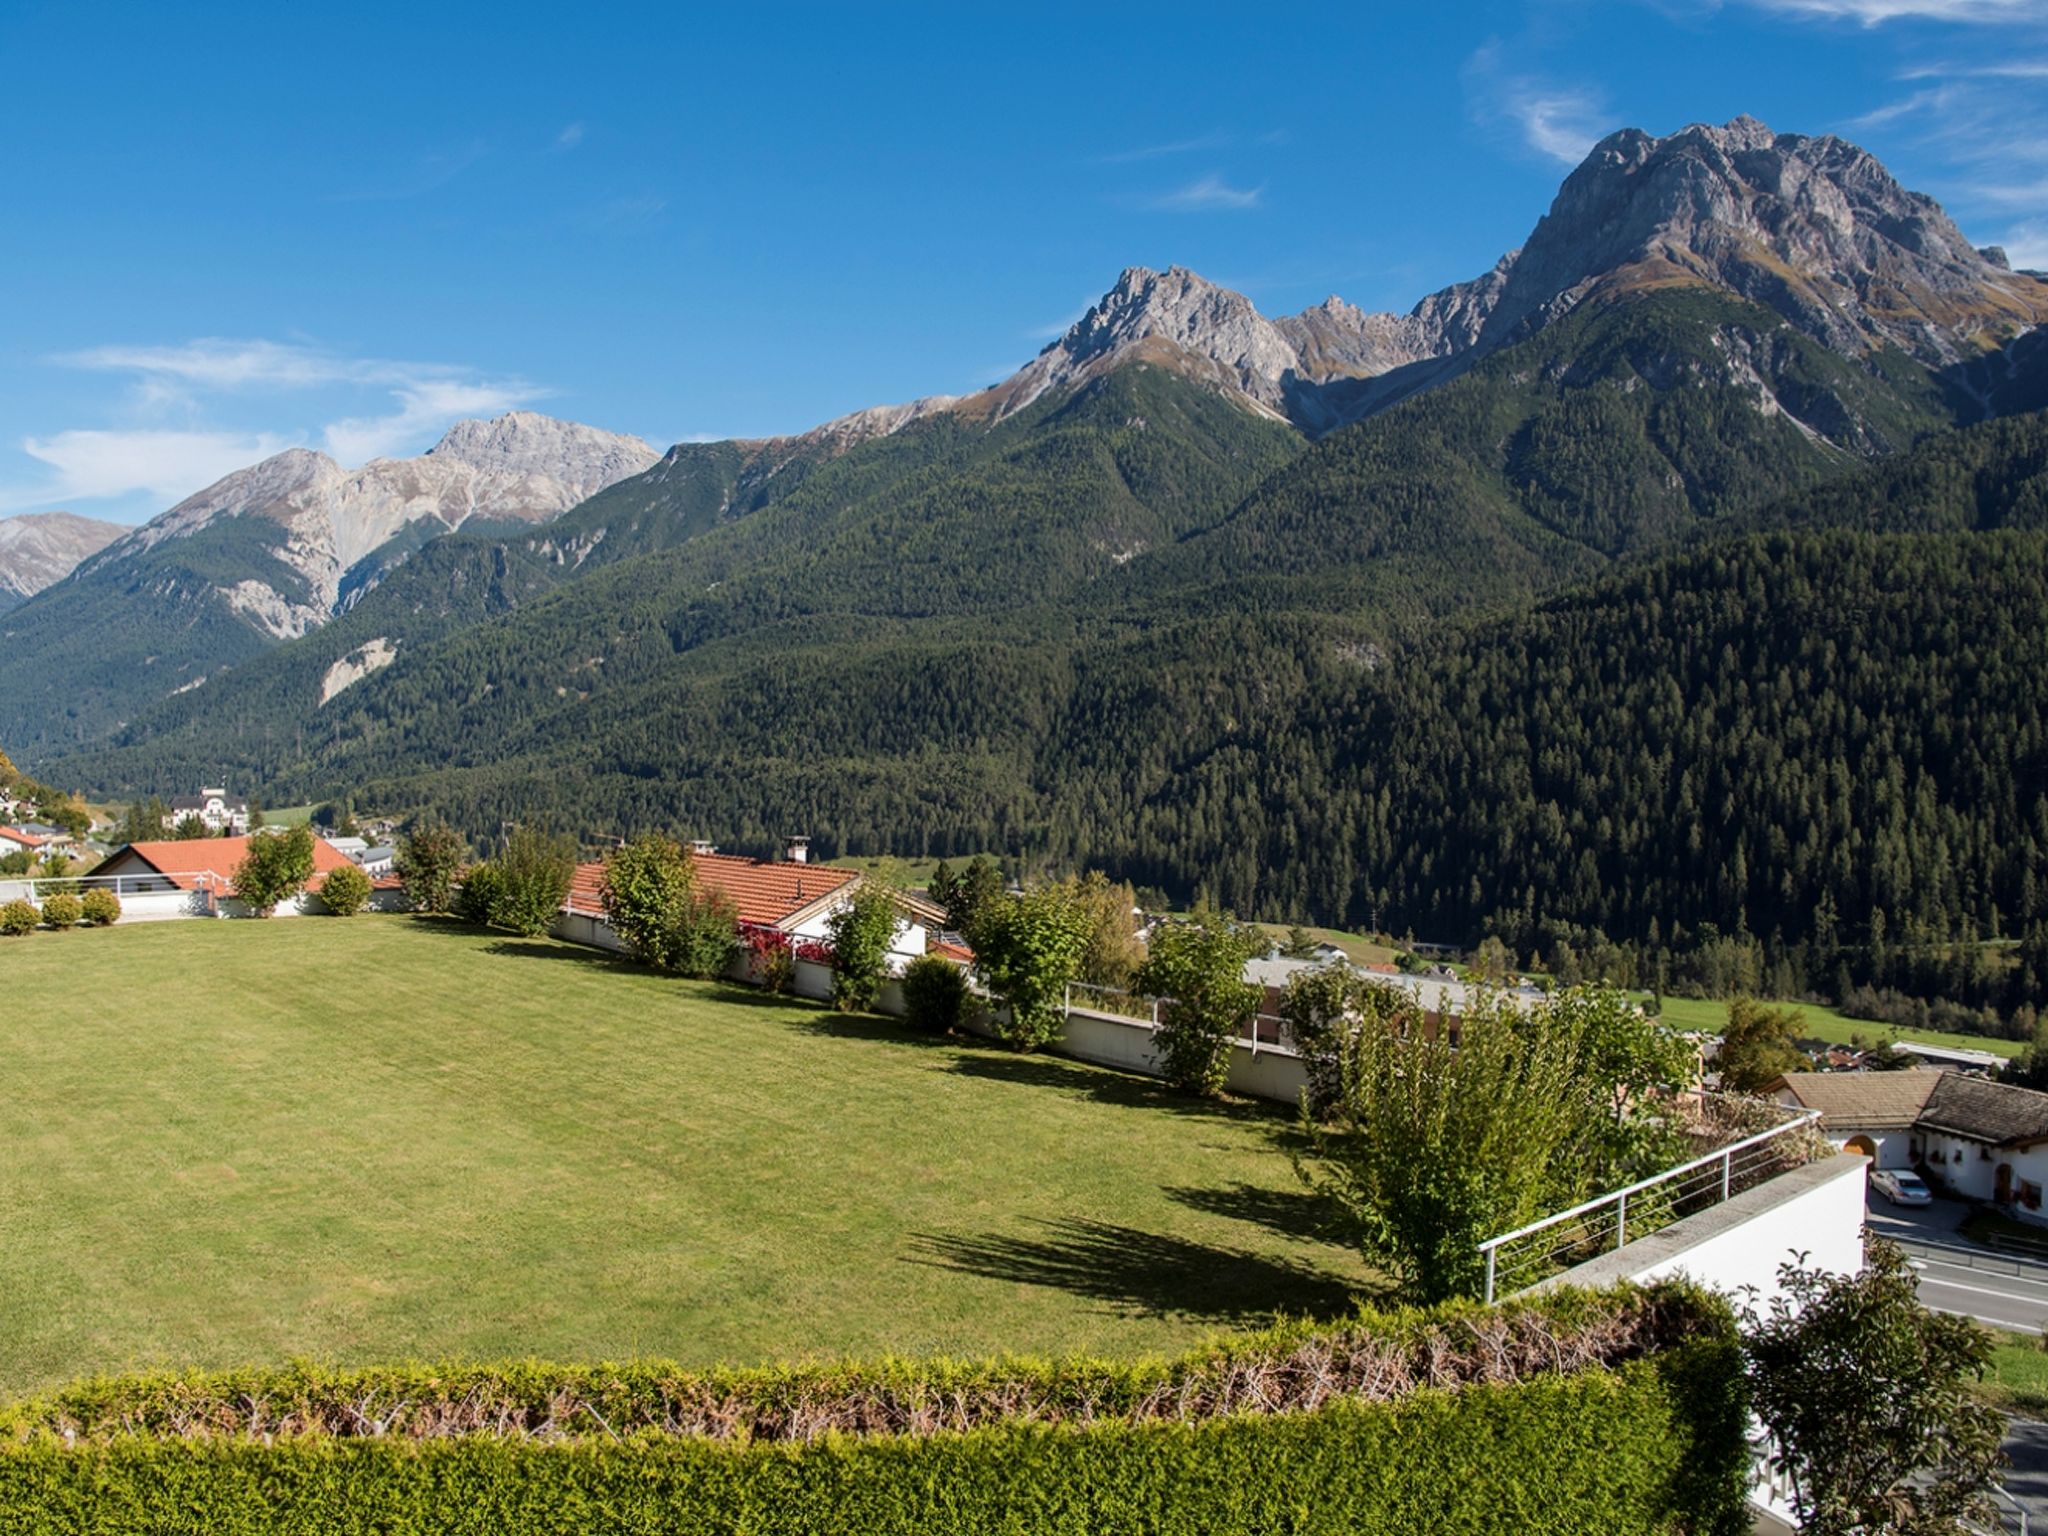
(2030, 1194)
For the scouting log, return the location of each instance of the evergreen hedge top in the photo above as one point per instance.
(1376, 1357)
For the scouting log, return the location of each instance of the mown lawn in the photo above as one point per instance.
(1826, 1024)
(355, 1140)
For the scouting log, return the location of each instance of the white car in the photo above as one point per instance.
(1901, 1188)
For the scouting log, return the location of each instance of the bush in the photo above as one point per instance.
(345, 891)
(476, 899)
(19, 917)
(275, 869)
(100, 908)
(1629, 1402)
(429, 862)
(1026, 949)
(533, 880)
(1199, 965)
(860, 931)
(934, 994)
(655, 903)
(62, 910)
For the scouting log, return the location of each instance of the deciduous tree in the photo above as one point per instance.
(1866, 1396)
(1199, 965)
(429, 859)
(1027, 947)
(345, 891)
(275, 869)
(1757, 1045)
(859, 931)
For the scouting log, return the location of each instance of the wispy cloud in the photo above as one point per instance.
(424, 408)
(1559, 122)
(169, 463)
(570, 136)
(1172, 147)
(1207, 194)
(1873, 13)
(94, 465)
(2026, 245)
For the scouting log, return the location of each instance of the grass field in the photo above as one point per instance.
(378, 1138)
(1826, 1024)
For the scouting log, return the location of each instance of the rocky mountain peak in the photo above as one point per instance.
(1814, 228)
(526, 442)
(39, 549)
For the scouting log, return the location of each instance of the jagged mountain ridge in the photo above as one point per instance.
(39, 549)
(1814, 229)
(521, 467)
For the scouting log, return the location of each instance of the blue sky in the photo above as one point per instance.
(233, 229)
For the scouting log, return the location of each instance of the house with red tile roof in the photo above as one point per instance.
(205, 866)
(790, 896)
(16, 840)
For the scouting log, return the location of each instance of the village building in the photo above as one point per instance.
(205, 867)
(1967, 1135)
(215, 810)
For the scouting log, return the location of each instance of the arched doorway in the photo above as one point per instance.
(1863, 1145)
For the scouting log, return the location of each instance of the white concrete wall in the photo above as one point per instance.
(1815, 1211)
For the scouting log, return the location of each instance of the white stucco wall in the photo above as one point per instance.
(1815, 1211)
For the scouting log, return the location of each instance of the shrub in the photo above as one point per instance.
(345, 891)
(533, 881)
(1200, 966)
(774, 956)
(275, 869)
(476, 899)
(860, 932)
(62, 910)
(100, 907)
(429, 862)
(934, 994)
(1027, 948)
(19, 917)
(1628, 1402)
(655, 903)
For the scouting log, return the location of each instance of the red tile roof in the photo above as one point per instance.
(26, 839)
(950, 951)
(760, 892)
(190, 862)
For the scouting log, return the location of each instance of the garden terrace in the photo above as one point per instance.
(386, 1138)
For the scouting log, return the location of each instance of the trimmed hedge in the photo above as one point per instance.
(1299, 1429)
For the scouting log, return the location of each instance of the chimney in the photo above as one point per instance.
(702, 845)
(797, 849)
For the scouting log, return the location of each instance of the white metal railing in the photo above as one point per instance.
(36, 889)
(1264, 1031)
(1522, 1257)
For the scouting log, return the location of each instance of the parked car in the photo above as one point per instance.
(1901, 1188)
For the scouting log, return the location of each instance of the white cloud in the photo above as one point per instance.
(94, 465)
(2026, 245)
(1872, 13)
(1207, 194)
(90, 464)
(570, 136)
(1559, 122)
(1174, 147)
(424, 408)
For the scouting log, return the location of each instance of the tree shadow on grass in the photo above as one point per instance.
(1303, 1213)
(552, 949)
(1147, 1274)
(1109, 1086)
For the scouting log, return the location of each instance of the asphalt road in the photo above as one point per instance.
(1957, 1275)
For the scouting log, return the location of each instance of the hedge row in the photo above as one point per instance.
(1654, 1446)
(1646, 1439)
(1377, 1357)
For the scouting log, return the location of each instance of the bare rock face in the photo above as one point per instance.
(1813, 229)
(522, 467)
(42, 548)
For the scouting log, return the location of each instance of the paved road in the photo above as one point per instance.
(1957, 1275)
